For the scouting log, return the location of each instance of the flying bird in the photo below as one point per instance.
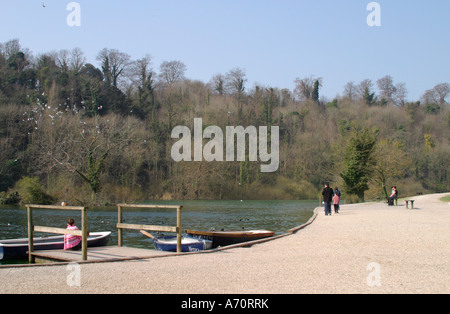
(43, 5)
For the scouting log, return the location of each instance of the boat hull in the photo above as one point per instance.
(188, 244)
(225, 238)
(17, 249)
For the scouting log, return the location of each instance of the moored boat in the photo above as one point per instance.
(188, 244)
(18, 248)
(224, 238)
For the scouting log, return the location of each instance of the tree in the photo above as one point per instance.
(114, 63)
(235, 81)
(350, 90)
(315, 94)
(305, 88)
(387, 88)
(437, 95)
(400, 94)
(172, 71)
(391, 163)
(365, 91)
(359, 161)
(217, 84)
(95, 167)
(146, 101)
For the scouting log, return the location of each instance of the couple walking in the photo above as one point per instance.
(330, 196)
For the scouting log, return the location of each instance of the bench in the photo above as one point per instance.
(412, 203)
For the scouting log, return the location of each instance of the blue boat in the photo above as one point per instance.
(188, 244)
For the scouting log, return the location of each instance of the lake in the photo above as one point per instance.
(277, 216)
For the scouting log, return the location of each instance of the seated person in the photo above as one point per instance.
(394, 196)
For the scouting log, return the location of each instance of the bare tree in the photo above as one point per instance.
(114, 63)
(364, 87)
(437, 95)
(386, 87)
(11, 47)
(172, 71)
(304, 88)
(350, 90)
(77, 60)
(62, 60)
(235, 81)
(217, 84)
(400, 94)
(141, 69)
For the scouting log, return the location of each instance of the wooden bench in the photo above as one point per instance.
(412, 203)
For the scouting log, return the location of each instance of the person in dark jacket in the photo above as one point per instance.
(327, 198)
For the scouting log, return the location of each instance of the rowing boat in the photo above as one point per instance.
(188, 244)
(224, 238)
(18, 248)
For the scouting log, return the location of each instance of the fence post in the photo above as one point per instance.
(30, 234)
(179, 230)
(85, 234)
(119, 230)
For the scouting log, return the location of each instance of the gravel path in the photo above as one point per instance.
(367, 248)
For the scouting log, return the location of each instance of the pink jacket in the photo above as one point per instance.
(71, 241)
(336, 199)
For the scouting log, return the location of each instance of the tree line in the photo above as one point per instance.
(100, 133)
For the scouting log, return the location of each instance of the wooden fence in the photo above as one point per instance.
(83, 233)
(121, 225)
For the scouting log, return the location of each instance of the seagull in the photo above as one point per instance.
(43, 5)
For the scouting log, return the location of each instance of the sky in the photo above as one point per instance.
(273, 41)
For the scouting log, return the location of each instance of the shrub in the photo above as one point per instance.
(31, 192)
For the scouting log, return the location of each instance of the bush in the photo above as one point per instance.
(31, 192)
(9, 199)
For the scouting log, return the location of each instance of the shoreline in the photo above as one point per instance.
(367, 248)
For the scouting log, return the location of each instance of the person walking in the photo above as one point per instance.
(327, 194)
(336, 200)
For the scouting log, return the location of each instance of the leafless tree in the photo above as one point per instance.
(172, 71)
(11, 47)
(350, 90)
(114, 63)
(140, 70)
(235, 81)
(386, 88)
(217, 84)
(400, 94)
(364, 87)
(304, 88)
(437, 95)
(62, 60)
(77, 60)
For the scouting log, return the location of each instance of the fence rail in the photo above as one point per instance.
(121, 225)
(83, 233)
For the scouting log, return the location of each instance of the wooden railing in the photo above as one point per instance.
(121, 225)
(83, 233)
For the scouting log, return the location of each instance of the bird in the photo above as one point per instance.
(43, 5)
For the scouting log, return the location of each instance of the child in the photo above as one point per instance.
(336, 200)
(72, 242)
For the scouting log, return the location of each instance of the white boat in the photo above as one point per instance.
(18, 248)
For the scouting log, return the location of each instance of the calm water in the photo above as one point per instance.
(277, 216)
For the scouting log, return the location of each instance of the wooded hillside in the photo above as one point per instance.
(101, 133)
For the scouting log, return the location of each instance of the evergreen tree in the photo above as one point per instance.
(315, 94)
(359, 161)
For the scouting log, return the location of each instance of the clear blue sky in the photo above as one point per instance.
(274, 41)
